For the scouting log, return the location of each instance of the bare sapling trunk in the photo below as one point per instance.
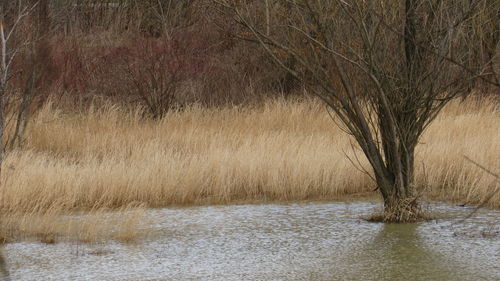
(34, 60)
(9, 24)
(384, 68)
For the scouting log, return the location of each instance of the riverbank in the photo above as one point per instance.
(111, 158)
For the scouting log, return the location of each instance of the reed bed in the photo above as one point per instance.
(110, 157)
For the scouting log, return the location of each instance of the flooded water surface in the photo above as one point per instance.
(303, 241)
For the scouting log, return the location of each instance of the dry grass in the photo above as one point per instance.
(280, 150)
(52, 226)
(464, 129)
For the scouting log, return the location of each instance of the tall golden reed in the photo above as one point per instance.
(281, 150)
(109, 157)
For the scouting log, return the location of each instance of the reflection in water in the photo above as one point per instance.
(4, 274)
(405, 254)
(307, 241)
(397, 252)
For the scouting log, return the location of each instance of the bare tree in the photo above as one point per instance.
(11, 17)
(168, 16)
(384, 68)
(8, 27)
(154, 73)
(32, 61)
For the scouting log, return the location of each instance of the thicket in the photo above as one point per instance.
(158, 54)
(161, 54)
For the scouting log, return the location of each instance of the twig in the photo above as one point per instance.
(488, 198)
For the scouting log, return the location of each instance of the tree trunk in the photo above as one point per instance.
(2, 127)
(396, 179)
(397, 182)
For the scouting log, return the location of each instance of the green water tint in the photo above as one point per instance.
(306, 241)
(398, 252)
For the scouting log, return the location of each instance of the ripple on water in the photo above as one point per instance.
(301, 241)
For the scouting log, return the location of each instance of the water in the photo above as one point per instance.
(306, 241)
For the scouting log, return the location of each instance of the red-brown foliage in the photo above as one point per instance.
(196, 62)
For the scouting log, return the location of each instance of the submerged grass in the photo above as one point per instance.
(124, 224)
(110, 157)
